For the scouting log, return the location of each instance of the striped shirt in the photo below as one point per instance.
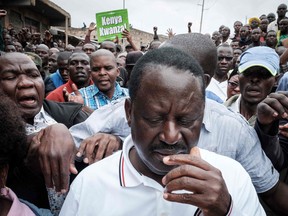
(94, 98)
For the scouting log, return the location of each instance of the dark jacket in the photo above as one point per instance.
(28, 184)
(274, 145)
(67, 113)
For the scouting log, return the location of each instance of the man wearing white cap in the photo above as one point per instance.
(258, 68)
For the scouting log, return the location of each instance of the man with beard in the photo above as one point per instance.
(218, 84)
(162, 171)
(79, 75)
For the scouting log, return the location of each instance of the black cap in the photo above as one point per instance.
(132, 57)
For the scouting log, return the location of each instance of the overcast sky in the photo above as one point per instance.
(175, 14)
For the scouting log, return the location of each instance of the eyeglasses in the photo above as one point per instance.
(233, 84)
(227, 58)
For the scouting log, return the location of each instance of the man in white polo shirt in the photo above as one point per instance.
(155, 174)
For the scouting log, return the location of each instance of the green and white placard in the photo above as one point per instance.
(111, 24)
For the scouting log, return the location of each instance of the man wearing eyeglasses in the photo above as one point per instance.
(218, 83)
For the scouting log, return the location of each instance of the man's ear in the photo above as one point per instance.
(207, 79)
(128, 110)
(118, 70)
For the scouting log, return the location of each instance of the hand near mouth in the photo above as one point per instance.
(203, 184)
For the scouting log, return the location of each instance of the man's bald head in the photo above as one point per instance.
(21, 80)
(102, 52)
(109, 45)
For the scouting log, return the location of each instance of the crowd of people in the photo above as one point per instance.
(194, 125)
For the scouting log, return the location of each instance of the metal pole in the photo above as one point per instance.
(123, 4)
(66, 30)
(202, 11)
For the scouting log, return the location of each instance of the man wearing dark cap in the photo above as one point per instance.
(128, 48)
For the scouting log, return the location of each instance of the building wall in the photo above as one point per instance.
(25, 18)
(139, 37)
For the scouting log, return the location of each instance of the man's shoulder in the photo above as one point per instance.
(89, 91)
(88, 88)
(219, 119)
(220, 161)
(272, 26)
(68, 113)
(55, 75)
(101, 170)
(125, 91)
(121, 90)
(214, 109)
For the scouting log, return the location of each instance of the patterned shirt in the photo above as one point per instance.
(41, 120)
(94, 98)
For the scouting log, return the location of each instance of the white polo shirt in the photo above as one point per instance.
(113, 186)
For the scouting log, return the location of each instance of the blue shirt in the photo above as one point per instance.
(211, 95)
(223, 131)
(57, 79)
(94, 98)
(283, 83)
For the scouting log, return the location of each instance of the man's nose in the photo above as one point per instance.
(171, 133)
(24, 82)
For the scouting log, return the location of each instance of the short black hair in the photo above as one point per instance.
(202, 48)
(233, 73)
(13, 142)
(165, 56)
(63, 56)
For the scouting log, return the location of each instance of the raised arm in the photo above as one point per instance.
(126, 34)
(155, 37)
(91, 28)
(189, 27)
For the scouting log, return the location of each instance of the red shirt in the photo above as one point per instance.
(57, 94)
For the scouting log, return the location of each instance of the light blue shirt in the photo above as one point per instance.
(93, 98)
(283, 83)
(57, 79)
(223, 131)
(211, 95)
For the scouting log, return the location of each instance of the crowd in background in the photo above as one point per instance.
(58, 86)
